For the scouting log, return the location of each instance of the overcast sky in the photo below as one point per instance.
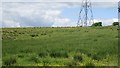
(47, 13)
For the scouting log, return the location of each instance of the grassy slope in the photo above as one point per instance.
(96, 45)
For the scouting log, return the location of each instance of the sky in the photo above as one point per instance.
(56, 13)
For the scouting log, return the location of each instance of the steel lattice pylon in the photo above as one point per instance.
(85, 14)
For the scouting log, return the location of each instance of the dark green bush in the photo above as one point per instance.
(115, 24)
(97, 24)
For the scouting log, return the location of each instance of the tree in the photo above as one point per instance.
(115, 23)
(97, 24)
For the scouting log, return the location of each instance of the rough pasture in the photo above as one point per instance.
(83, 46)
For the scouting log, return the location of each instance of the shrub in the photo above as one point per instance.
(97, 24)
(115, 24)
(10, 61)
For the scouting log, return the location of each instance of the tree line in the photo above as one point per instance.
(100, 24)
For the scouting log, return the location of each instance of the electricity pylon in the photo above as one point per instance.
(85, 14)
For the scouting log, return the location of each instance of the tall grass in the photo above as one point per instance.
(58, 46)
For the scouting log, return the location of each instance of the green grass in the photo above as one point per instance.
(80, 46)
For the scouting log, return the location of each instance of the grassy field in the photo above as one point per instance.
(80, 46)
